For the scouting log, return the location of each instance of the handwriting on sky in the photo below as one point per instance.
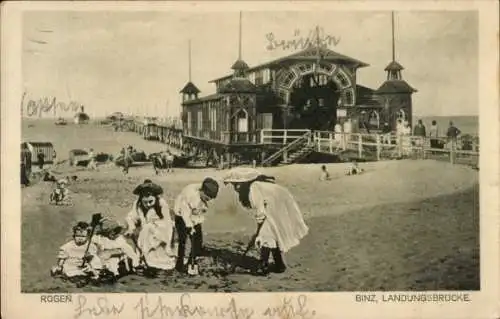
(298, 41)
(48, 106)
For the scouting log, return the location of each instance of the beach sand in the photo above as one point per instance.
(403, 225)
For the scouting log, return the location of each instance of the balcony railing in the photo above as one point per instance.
(239, 137)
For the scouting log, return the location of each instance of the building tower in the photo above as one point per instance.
(190, 91)
(395, 94)
(240, 101)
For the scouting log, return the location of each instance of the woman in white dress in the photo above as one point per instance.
(150, 224)
(406, 138)
(339, 137)
(280, 224)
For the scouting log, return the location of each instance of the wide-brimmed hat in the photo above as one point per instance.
(148, 187)
(210, 187)
(241, 175)
(62, 181)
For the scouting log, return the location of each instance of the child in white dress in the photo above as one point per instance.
(60, 194)
(354, 169)
(150, 225)
(116, 255)
(75, 262)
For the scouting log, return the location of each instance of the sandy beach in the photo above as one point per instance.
(403, 225)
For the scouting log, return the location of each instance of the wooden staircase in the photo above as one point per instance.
(291, 152)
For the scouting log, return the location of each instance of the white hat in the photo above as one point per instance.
(62, 181)
(241, 175)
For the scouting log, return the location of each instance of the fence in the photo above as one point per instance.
(376, 147)
(269, 136)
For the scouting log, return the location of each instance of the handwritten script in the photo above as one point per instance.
(314, 38)
(46, 105)
(157, 308)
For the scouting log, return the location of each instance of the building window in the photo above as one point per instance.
(374, 119)
(259, 78)
(349, 97)
(242, 121)
(308, 104)
(213, 118)
(321, 102)
(200, 120)
(342, 79)
(189, 123)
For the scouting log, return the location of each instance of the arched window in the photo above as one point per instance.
(401, 115)
(374, 119)
(349, 97)
(344, 82)
(241, 118)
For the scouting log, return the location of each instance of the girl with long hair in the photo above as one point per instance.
(150, 225)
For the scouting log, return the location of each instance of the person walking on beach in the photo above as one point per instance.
(280, 224)
(41, 159)
(126, 159)
(189, 209)
(434, 134)
(169, 161)
(92, 164)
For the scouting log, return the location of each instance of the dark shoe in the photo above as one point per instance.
(279, 265)
(263, 268)
(179, 266)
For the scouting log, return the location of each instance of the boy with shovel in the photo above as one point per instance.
(190, 207)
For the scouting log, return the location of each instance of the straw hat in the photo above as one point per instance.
(241, 175)
(148, 187)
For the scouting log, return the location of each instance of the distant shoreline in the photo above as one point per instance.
(415, 117)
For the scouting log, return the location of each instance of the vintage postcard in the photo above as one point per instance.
(250, 159)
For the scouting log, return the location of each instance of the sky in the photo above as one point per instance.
(136, 62)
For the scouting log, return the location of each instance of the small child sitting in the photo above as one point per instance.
(117, 256)
(60, 194)
(75, 263)
(325, 176)
(354, 169)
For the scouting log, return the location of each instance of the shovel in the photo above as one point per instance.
(192, 266)
(141, 258)
(96, 220)
(249, 246)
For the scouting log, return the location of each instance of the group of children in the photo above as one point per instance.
(98, 257)
(99, 251)
(352, 169)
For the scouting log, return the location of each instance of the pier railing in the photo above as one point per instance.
(463, 149)
(281, 137)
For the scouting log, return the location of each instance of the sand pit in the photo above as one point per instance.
(401, 225)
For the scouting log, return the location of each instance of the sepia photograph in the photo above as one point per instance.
(295, 170)
(251, 150)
